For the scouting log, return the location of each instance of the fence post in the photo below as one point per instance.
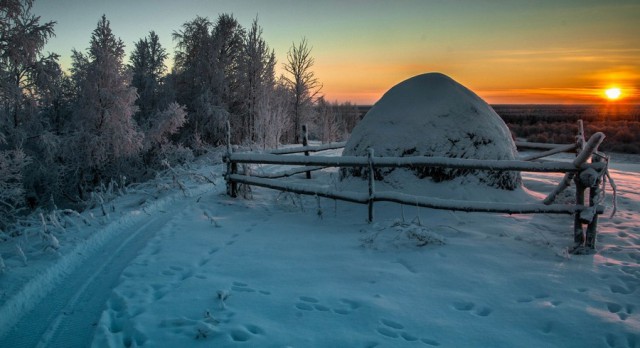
(580, 137)
(232, 167)
(578, 231)
(371, 184)
(594, 194)
(305, 143)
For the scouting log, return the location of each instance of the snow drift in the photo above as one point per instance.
(433, 115)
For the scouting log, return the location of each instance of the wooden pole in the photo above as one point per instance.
(578, 231)
(418, 201)
(580, 137)
(413, 162)
(371, 184)
(594, 195)
(232, 167)
(585, 150)
(227, 157)
(305, 143)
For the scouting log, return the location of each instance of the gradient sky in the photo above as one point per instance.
(507, 51)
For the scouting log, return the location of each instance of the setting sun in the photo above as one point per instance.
(613, 93)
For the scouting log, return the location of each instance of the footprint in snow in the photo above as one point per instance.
(308, 303)
(465, 306)
(395, 330)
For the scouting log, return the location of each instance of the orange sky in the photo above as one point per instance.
(560, 51)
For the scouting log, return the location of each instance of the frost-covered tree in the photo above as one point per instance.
(32, 96)
(272, 119)
(196, 74)
(104, 131)
(303, 83)
(205, 72)
(147, 64)
(228, 38)
(22, 38)
(256, 73)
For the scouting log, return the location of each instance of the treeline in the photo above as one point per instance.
(64, 135)
(558, 124)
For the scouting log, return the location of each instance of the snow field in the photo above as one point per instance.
(281, 270)
(271, 272)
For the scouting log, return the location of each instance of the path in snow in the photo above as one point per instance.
(68, 316)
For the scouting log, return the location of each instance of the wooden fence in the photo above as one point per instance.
(585, 176)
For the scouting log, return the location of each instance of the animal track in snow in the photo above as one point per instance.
(308, 303)
(237, 286)
(392, 324)
(395, 330)
(623, 312)
(630, 340)
(120, 322)
(465, 306)
(547, 327)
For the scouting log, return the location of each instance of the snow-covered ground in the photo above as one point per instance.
(195, 267)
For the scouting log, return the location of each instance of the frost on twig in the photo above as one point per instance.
(222, 297)
(51, 242)
(21, 254)
(212, 219)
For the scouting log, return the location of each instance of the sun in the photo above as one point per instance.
(613, 93)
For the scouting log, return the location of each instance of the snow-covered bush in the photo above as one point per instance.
(163, 124)
(433, 115)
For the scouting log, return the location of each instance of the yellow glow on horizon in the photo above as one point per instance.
(613, 93)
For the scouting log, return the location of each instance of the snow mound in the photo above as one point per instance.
(433, 115)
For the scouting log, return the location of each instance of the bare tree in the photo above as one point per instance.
(303, 83)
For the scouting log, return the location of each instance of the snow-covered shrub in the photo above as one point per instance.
(175, 154)
(401, 234)
(433, 115)
(163, 124)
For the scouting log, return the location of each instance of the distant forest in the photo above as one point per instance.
(558, 123)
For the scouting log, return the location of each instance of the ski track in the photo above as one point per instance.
(67, 315)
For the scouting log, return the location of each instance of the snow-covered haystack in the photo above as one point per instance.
(433, 115)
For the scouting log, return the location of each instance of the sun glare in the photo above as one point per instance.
(613, 93)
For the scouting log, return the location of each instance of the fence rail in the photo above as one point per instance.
(584, 175)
